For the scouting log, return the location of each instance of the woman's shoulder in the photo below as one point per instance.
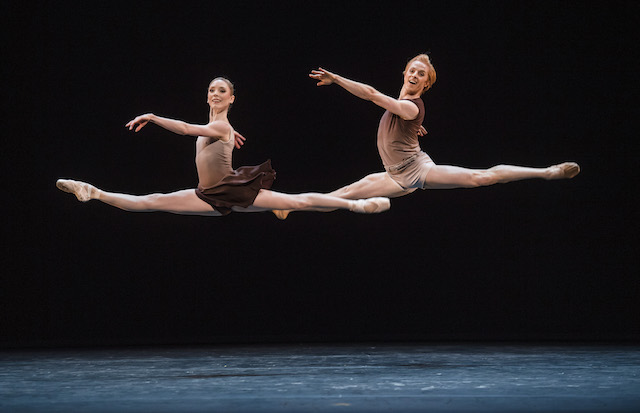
(222, 129)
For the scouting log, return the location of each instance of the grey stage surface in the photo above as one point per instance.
(324, 378)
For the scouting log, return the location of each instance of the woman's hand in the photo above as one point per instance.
(324, 76)
(139, 122)
(422, 131)
(239, 139)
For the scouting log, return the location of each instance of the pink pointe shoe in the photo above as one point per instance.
(81, 190)
(371, 205)
(566, 170)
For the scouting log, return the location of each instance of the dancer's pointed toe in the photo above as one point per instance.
(571, 169)
(371, 205)
(81, 190)
(378, 204)
(566, 170)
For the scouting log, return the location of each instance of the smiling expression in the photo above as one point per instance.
(415, 77)
(219, 96)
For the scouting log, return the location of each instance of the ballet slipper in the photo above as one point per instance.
(281, 213)
(371, 205)
(565, 170)
(81, 190)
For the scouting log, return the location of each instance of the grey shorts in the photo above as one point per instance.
(411, 172)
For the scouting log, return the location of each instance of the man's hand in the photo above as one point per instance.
(422, 131)
(324, 77)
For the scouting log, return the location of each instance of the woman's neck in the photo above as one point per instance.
(218, 116)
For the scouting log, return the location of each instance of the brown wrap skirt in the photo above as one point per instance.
(239, 188)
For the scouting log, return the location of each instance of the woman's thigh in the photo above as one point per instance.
(184, 202)
(267, 200)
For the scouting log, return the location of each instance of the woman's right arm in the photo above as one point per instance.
(403, 108)
(215, 130)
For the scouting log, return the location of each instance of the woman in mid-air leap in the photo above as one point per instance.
(221, 189)
(407, 167)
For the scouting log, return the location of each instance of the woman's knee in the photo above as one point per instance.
(302, 201)
(151, 201)
(275, 200)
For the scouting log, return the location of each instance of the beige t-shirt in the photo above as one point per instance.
(398, 138)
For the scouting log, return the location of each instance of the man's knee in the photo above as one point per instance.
(483, 178)
(342, 192)
(345, 191)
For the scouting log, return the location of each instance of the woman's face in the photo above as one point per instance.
(219, 96)
(415, 77)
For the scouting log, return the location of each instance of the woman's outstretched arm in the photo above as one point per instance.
(403, 108)
(216, 129)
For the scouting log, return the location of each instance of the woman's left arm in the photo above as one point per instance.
(215, 130)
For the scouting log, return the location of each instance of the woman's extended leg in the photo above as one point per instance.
(448, 177)
(270, 200)
(184, 202)
(373, 185)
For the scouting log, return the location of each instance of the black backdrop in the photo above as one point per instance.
(529, 83)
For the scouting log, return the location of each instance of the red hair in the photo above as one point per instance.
(431, 73)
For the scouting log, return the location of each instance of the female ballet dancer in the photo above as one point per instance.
(221, 189)
(407, 167)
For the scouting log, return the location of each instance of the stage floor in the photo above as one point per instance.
(324, 378)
